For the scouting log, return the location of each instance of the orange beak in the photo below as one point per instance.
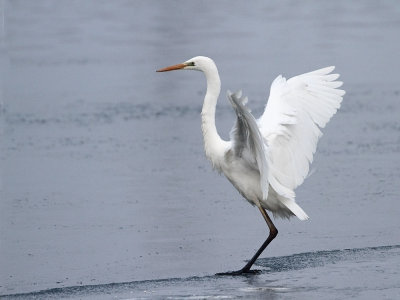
(172, 68)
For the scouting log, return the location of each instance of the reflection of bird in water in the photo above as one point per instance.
(267, 158)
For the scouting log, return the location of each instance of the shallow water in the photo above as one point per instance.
(106, 192)
(309, 275)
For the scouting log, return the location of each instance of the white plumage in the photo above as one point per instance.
(290, 124)
(266, 159)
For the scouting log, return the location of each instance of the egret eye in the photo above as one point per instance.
(191, 64)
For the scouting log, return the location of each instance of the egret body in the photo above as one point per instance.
(267, 158)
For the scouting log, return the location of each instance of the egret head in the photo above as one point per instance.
(199, 63)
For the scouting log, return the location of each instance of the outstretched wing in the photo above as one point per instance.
(295, 111)
(247, 140)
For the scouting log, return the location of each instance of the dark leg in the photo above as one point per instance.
(273, 232)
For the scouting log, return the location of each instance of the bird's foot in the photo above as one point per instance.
(239, 273)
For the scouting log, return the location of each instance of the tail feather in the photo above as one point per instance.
(295, 209)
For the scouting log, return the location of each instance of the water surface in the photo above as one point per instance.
(106, 192)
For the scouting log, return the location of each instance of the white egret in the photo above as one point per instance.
(267, 158)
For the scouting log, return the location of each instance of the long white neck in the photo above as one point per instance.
(213, 144)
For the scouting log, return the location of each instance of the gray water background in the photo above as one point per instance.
(105, 190)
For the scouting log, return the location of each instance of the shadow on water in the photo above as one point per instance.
(215, 287)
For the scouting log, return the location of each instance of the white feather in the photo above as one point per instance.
(295, 111)
(268, 158)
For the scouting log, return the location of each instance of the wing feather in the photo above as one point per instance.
(245, 135)
(290, 125)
